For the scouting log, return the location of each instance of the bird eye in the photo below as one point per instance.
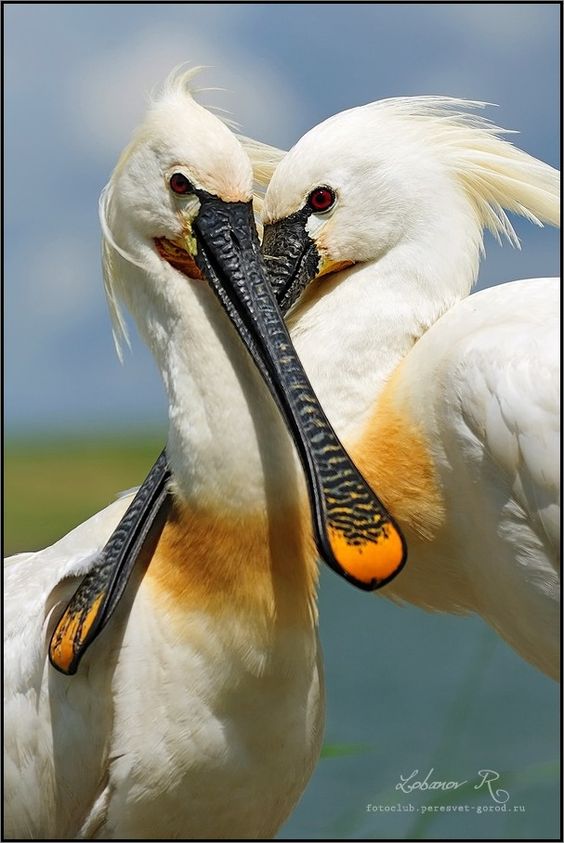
(321, 199)
(180, 184)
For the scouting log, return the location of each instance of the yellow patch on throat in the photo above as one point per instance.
(327, 266)
(180, 253)
(190, 243)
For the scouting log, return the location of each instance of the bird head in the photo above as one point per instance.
(181, 160)
(418, 173)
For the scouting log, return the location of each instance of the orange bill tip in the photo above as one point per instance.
(70, 634)
(370, 562)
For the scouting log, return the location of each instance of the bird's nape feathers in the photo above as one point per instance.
(496, 175)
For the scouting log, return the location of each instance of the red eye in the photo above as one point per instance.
(180, 184)
(321, 199)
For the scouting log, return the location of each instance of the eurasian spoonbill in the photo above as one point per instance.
(200, 713)
(449, 404)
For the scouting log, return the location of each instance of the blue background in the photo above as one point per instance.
(76, 78)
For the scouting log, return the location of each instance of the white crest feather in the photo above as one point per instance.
(109, 247)
(496, 175)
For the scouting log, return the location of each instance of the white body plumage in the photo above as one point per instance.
(199, 711)
(196, 727)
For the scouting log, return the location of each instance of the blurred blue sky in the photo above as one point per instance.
(75, 81)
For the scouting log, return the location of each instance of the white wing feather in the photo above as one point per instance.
(483, 384)
(56, 727)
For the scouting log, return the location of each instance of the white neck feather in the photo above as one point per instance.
(228, 445)
(359, 324)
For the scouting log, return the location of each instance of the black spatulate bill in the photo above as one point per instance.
(133, 541)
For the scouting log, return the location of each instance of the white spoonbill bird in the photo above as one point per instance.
(199, 713)
(448, 404)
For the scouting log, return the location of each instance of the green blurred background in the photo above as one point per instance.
(54, 483)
